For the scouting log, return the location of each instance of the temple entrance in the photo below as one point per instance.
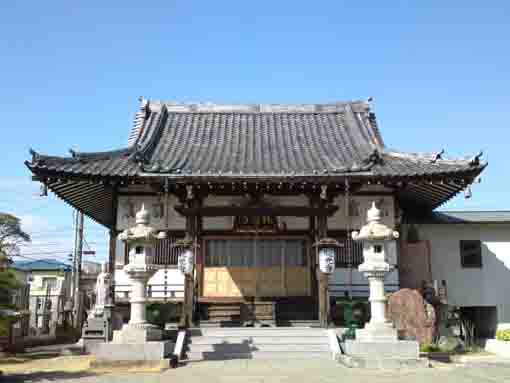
(256, 268)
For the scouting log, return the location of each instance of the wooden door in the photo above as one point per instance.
(414, 264)
(256, 268)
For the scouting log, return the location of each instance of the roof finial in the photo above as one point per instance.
(475, 160)
(438, 156)
(143, 102)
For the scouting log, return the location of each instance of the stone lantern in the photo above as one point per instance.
(377, 345)
(138, 340)
(141, 240)
(376, 238)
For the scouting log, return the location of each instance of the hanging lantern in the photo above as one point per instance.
(186, 259)
(327, 250)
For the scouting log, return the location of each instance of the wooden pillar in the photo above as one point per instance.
(192, 231)
(323, 278)
(112, 249)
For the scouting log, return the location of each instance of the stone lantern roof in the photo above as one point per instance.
(142, 233)
(374, 230)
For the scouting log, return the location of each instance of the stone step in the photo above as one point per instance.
(247, 330)
(257, 355)
(239, 334)
(230, 348)
(322, 339)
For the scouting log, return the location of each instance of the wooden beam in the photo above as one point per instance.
(226, 211)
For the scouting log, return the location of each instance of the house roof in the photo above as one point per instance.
(463, 217)
(41, 264)
(321, 143)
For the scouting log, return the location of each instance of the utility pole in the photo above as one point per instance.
(78, 249)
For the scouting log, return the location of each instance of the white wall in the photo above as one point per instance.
(359, 207)
(163, 214)
(488, 286)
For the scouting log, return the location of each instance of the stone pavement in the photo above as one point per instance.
(281, 371)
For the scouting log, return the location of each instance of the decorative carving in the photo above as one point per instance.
(189, 192)
(324, 191)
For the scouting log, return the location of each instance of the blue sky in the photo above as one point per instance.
(71, 72)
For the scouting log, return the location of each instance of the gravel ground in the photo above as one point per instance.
(74, 369)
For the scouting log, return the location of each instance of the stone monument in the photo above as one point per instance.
(377, 344)
(138, 340)
(98, 326)
(412, 315)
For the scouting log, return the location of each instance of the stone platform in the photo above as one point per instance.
(150, 351)
(389, 354)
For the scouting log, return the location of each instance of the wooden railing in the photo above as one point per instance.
(154, 291)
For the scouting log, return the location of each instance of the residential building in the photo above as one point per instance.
(49, 291)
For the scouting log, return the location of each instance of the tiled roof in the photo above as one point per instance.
(41, 264)
(207, 141)
(319, 143)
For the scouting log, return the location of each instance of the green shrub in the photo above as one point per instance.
(427, 347)
(503, 335)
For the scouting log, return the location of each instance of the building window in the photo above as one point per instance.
(49, 283)
(471, 253)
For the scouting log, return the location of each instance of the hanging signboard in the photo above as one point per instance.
(262, 223)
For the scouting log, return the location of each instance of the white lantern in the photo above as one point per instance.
(186, 261)
(327, 260)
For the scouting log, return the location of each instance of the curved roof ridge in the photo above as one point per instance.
(209, 107)
(432, 157)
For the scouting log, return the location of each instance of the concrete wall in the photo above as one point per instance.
(486, 286)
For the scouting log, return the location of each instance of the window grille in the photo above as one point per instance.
(165, 253)
(255, 253)
(342, 258)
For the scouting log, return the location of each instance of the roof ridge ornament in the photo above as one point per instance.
(438, 156)
(475, 160)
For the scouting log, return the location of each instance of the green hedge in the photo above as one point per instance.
(503, 335)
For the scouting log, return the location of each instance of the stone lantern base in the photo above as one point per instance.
(135, 342)
(377, 346)
(138, 334)
(377, 332)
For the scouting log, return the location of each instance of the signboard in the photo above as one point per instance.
(256, 224)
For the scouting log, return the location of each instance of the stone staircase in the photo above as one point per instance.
(256, 343)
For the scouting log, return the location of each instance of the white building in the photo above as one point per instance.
(470, 251)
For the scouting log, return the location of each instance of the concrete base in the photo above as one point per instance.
(150, 365)
(138, 334)
(377, 332)
(381, 354)
(498, 347)
(150, 351)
